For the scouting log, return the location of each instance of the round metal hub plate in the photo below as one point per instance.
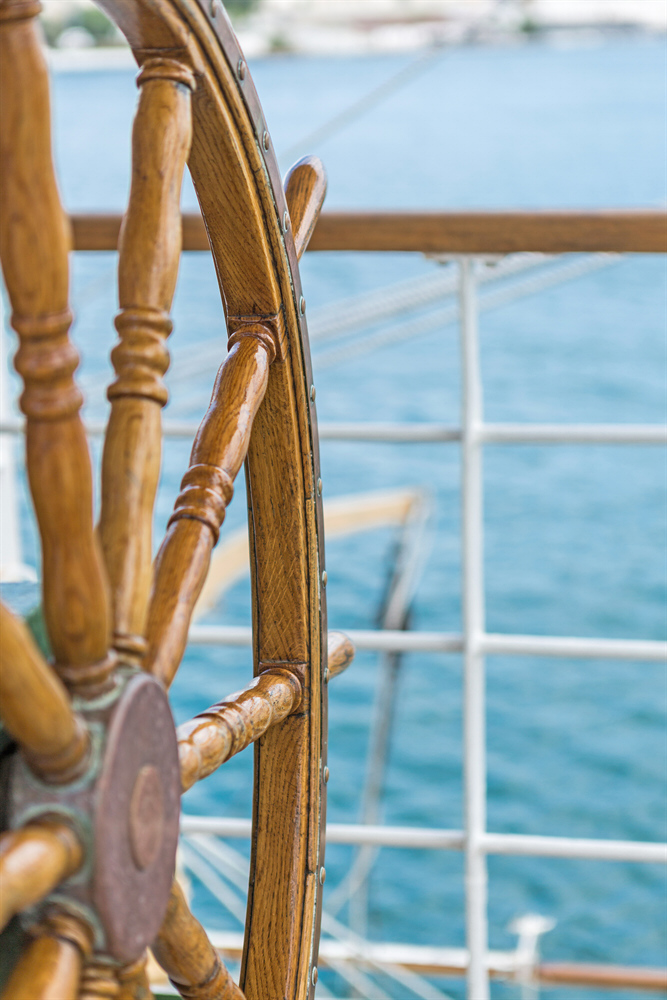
(136, 819)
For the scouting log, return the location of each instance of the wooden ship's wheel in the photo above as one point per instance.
(91, 784)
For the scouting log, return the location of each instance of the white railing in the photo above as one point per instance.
(474, 642)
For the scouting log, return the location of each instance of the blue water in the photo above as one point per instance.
(575, 535)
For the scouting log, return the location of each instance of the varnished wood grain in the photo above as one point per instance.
(340, 653)
(493, 232)
(213, 736)
(34, 244)
(133, 980)
(150, 247)
(99, 981)
(35, 708)
(217, 455)
(50, 967)
(615, 977)
(243, 204)
(185, 953)
(305, 188)
(33, 861)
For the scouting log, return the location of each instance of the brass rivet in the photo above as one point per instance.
(214, 6)
(323, 875)
(265, 140)
(314, 975)
(326, 775)
(324, 578)
(326, 675)
(319, 487)
(302, 305)
(285, 221)
(240, 69)
(313, 393)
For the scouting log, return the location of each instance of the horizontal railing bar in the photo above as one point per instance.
(398, 641)
(429, 839)
(437, 961)
(433, 432)
(478, 232)
(574, 847)
(390, 432)
(573, 433)
(97, 428)
(577, 648)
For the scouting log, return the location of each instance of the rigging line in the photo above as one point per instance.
(365, 103)
(207, 875)
(412, 980)
(449, 314)
(235, 867)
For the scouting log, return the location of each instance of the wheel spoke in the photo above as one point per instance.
(207, 487)
(211, 738)
(50, 967)
(33, 861)
(35, 707)
(99, 981)
(340, 653)
(134, 983)
(150, 247)
(305, 188)
(187, 956)
(34, 244)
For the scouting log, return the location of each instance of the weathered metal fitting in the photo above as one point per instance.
(67, 766)
(127, 808)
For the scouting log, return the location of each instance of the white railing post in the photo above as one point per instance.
(474, 709)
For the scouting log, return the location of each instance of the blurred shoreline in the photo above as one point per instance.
(80, 37)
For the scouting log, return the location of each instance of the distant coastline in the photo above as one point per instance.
(80, 36)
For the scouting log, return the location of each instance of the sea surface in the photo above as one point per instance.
(575, 535)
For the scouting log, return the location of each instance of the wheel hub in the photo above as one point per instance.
(125, 809)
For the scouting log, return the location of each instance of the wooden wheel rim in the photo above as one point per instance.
(243, 205)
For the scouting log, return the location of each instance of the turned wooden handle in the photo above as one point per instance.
(187, 956)
(33, 861)
(50, 967)
(99, 981)
(150, 248)
(134, 982)
(340, 653)
(213, 736)
(217, 455)
(34, 245)
(305, 188)
(35, 708)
